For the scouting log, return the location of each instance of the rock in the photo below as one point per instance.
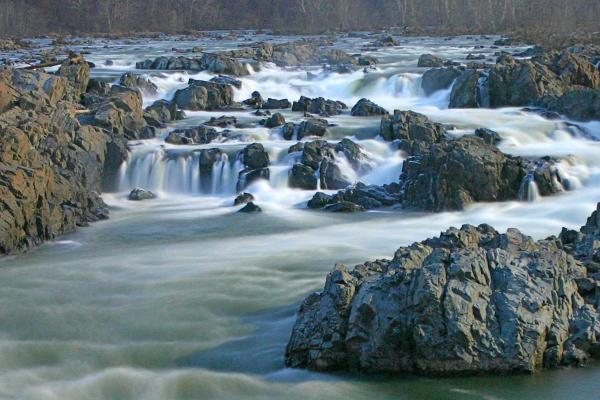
(355, 155)
(366, 108)
(470, 301)
(136, 82)
(455, 173)
(52, 165)
(514, 82)
(227, 80)
(215, 63)
(581, 104)
(332, 177)
(366, 196)
(243, 198)
(121, 112)
(319, 106)
(367, 61)
(311, 127)
(202, 95)
(436, 79)
(430, 61)
(255, 101)
(139, 194)
(223, 121)
(489, 136)
(465, 92)
(274, 104)
(274, 121)
(77, 71)
(386, 41)
(195, 135)
(319, 200)
(314, 152)
(249, 176)
(583, 245)
(414, 131)
(162, 112)
(250, 208)
(343, 207)
(255, 156)
(472, 56)
(302, 177)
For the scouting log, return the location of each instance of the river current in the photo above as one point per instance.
(184, 298)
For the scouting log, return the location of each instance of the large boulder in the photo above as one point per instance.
(203, 95)
(162, 112)
(465, 92)
(255, 156)
(319, 106)
(137, 82)
(367, 197)
(414, 131)
(581, 104)
(470, 301)
(436, 79)
(454, 173)
(366, 108)
(311, 127)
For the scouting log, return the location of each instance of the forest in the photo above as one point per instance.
(37, 17)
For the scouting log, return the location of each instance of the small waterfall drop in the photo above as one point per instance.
(529, 189)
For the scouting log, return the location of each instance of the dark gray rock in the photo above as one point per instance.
(489, 136)
(243, 198)
(222, 121)
(195, 135)
(255, 100)
(343, 207)
(470, 301)
(202, 95)
(275, 120)
(215, 63)
(274, 104)
(162, 112)
(430, 61)
(331, 175)
(436, 79)
(302, 177)
(227, 80)
(366, 108)
(139, 194)
(368, 197)
(581, 104)
(250, 208)
(255, 156)
(454, 173)
(311, 127)
(414, 131)
(464, 93)
(319, 106)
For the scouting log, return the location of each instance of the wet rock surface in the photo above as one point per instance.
(203, 95)
(319, 105)
(215, 63)
(366, 108)
(470, 301)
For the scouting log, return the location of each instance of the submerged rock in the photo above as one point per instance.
(470, 301)
(243, 198)
(430, 61)
(250, 208)
(139, 194)
(195, 135)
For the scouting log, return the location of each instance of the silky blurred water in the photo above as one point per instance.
(183, 298)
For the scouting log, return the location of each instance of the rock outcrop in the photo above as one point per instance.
(52, 160)
(366, 108)
(470, 301)
(215, 63)
(319, 106)
(412, 130)
(203, 95)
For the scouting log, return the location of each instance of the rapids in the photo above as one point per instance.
(183, 298)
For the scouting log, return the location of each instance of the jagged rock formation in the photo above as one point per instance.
(52, 159)
(215, 63)
(469, 301)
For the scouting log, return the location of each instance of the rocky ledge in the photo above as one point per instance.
(469, 301)
(61, 137)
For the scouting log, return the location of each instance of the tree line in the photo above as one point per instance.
(39, 17)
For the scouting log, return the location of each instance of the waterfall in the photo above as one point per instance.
(529, 189)
(483, 91)
(193, 172)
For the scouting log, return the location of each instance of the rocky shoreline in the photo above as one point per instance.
(470, 301)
